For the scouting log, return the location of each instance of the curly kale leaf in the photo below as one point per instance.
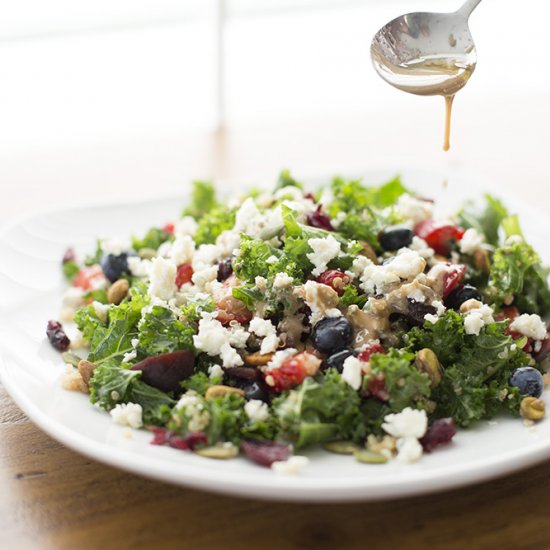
(405, 384)
(203, 200)
(319, 410)
(516, 271)
(366, 208)
(213, 223)
(286, 180)
(476, 369)
(152, 239)
(112, 384)
(111, 340)
(200, 382)
(161, 332)
(351, 296)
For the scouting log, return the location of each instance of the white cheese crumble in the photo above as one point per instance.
(440, 310)
(129, 356)
(294, 465)
(162, 283)
(476, 319)
(409, 449)
(182, 250)
(204, 276)
(266, 330)
(351, 374)
(282, 280)
(214, 339)
(128, 414)
(185, 226)
(530, 325)
(139, 267)
(408, 423)
(272, 260)
(324, 250)
(256, 410)
(471, 241)
(228, 241)
(414, 209)
(215, 371)
(320, 299)
(407, 264)
(205, 256)
(280, 357)
(421, 246)
(112, 246)
(73, 297)
(260, 283)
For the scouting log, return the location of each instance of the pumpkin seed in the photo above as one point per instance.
(370, 457)
(223, 451)
(341, 447)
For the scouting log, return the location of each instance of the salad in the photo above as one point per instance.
(356, 317)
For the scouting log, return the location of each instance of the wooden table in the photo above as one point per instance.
(51, 497)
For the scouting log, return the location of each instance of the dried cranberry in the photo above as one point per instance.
(69, 256)
(163, 436)
(183, 275)
(335, 279)
(225, 269)
(320, 220)
(441, 432)
(417, 311)
(452, 278)
(169, 228)
(376, 388)
(509, 312)
(439, 236)
(244, 373)
(310, 196)
(266, 453)
(370, 349)
(167, 370)
(57, 337)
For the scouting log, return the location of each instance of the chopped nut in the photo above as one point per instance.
(86, 369)
(220, 391)
(469, 305)
(532, 408)
(257, 359)
(481, 260)
(426, 361)
(368, 251)
(118, 291)
(223, 451)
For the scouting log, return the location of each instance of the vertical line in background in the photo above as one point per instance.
(221, 16)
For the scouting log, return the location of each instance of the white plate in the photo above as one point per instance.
(31, 286)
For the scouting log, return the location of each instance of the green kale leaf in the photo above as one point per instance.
(152, 239)
(203, 200)
(213, 223)
(486, 221)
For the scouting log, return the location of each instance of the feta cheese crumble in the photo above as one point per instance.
(413, 209)
(128, 414)
(324, 250)
(282, 280)
(256, 410)
(162, 283)
(530, 325)
(408, 427)
(477, 318)
(266, 330)
(471, 241)
(351, 373)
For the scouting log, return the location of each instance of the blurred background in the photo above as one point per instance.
(130, 95)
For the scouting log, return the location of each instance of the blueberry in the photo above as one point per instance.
(416, 311)
(255, 389)
(115, 266)
(528, 380)
(394, 238)
(460, 295)
(332, 334)
(336, 360)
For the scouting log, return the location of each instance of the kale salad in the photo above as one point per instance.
(356, 317)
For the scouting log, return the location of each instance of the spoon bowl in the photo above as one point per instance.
(426, 53)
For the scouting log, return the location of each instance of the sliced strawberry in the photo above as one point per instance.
(452, 278)
(439, 236)
(335, 279)
(292, 372)
(183, 275)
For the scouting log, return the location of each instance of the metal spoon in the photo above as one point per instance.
(426, 53)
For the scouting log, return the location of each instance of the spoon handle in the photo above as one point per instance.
(468, 7)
